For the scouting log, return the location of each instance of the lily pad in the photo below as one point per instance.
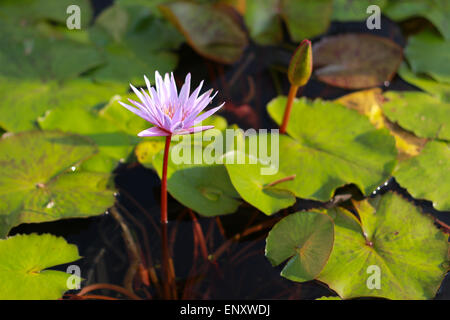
(427, 176)
(256, 188)
(369, 102)
(331, 146)
(303, 18)
(31, 11)
(138, 43)
(356, 61)
(305, 239)
(216, 35)
(437, 11)
(439, 89)
(39, 179)
(205, 188)
(24, 263)
(31, 99)
(27, 54)
(394, 241)
(114, 145)
(421, 113)
(351, 10)
(428, 53)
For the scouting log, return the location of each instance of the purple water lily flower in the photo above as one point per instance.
(171, 113)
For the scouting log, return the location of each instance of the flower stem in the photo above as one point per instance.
(164, 182)
(287, 112)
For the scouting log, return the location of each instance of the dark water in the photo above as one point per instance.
(242, 271)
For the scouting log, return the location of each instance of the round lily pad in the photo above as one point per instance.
(40, 180)
(393, 252)
(305, 239)
(427, 176)
(24, 263)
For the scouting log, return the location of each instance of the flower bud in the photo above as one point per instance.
(300, 67)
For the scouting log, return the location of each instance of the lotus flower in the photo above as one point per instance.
(171, 113)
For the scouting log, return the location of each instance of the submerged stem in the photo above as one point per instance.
(287, 112)
(164, 182)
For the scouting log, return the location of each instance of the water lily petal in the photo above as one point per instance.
(153, 132)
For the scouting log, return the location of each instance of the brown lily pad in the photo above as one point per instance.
(209, 30)
(356, 61)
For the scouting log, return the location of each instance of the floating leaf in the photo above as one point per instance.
(356, 61)
(394, 238)
(27, 54)
(305, 239)
(439, 89)
(26, 11)
(139, 43)
(437, 11)
(114, 145)
(421, 113)
(254, 186)
(146, 150)
(24, 263)
(123, 119)
(427, 176)
(37, 182)
(205, 188)
(331, 146)
(24, 101)
(368, 102)
(428, 53)
(303, 18)
(216, 35)
(350, 10)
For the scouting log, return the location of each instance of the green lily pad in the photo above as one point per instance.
(205, 188)
(39, 179)
(419, 112)
(393, 240)
(138, 43)
(356, 60)
(24, 263)
(28, 54)
(114, 145)
(439, 89)
(216, 35)
(255, 187)
(331, 146)
(427, 176)
(31, 11)
(428, 53)
(122, 118)
(350, 10)
(31, 99)
(437, 11)
(303, 18)
(306, 239)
